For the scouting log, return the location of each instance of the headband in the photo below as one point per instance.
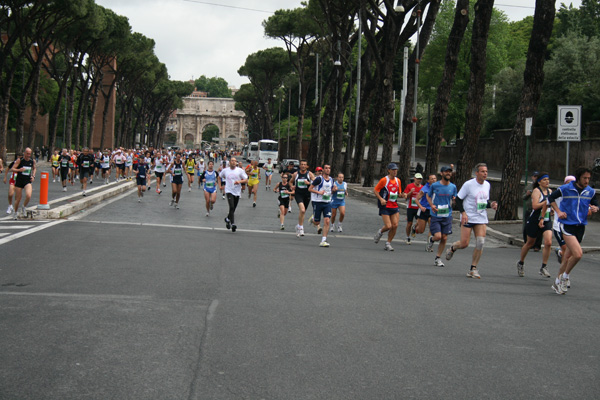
(539, 179)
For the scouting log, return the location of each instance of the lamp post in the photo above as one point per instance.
(417, 62)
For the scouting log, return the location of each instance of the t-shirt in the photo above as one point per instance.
(321, 183)
(424, 191)
(441, 196)
(412, 200)
(475, 197)
(229, 176)
(284, 190)
(389, 189)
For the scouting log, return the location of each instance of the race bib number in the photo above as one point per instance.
(55, 163)
(547, 215)
(302, 183)
(341, 195)
(177, 172)
(71, 164)
(26, 171)
(190, 170)
(481, 207)
(393, 197)
(142, 176)
(443, 211)
(326, 196)
(86, 164)
(413, 202)
(254, 176)
(284, 195)
(64, 163)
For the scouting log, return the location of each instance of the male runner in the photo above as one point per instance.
(320, 190)
(472, 201)
(440, 198)
(412, 208)
(84, 161)
(301, 181)
(233, 178)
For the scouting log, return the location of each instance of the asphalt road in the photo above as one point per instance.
(136, 300)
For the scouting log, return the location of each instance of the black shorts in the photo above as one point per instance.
(424, 215)
(559, 237)
(411, 213)
(121, 167)
(140, 181)
(284, 202)
(388, 211)
(21, 183)
(573, 230)
(303, 198)
(532, 228)
(84, 173)
(159, 174)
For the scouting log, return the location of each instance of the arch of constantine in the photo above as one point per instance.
(200, 112)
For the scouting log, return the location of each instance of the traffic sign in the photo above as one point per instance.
(569, 124)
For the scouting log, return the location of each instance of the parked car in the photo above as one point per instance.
(284, 164)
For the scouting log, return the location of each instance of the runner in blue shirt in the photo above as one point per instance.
(440, 198)
(424, 212)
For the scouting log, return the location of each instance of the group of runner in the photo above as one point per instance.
(431, 203)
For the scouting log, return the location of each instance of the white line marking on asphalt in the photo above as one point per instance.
(29, 231)
(4, 234)
(212, 309)
(104, 297)
(15, 226)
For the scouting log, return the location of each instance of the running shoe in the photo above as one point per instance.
(53, 180)
(171, 202)
(544, 272)
(332, 229)
(139, 199)
(319, 229)
(449, 254)
(378, 236)
(233, 228)
(84, 193)
(558, 254)
(340, 228)
(189, 189)
(412, 231)
(282, 227)
(9, 210)
(64, 188)
(254, 204)
(207, 214)
(301, 231)
(15, 215)
(211, 206)
(388, 247)
(23, 211)
(563, 284)
(407, 241)
(568, 283)
(557, 289)
(438, 262)
(297, 229)
(177, 206)
(323, 244)
(290, 210)
(473, 274)
(227, 223)
(429, 245)
(520, 269)
(311, 219)
(164, 184)
(223, 197)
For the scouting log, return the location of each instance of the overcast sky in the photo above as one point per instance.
(199, 37)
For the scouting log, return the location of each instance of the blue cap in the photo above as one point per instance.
(446, 168)
(392, 166)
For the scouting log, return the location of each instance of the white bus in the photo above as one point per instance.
(252, 151)
(267, 149)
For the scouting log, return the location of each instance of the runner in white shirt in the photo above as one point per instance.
(200, 168)
(268, 167)
(233, 177)
(472, 201)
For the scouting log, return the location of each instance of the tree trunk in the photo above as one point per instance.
(105, 111)
(35, 105)
(69, 116)
(98, 84)
(313, 151)
(510, 195)
(388, 118)
(440, 110)
(481, 29)
(375, 129)
(338, 125)
(53, 126)
(20, 128)
(301, 112)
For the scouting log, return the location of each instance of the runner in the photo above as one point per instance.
(210, 186)
(159, 171)
(340, 191)
(285, 190)
(578, 201)
(254, 179)
(301, 180)
(25, 168)
(200, 168)
(562, 246)
(440, 198)
(64, 161)
(233, 177)
(268, 167)
(73, 168)
(176, 170)
(105, 166)
(472, 201)
(85, 160)
(97, 164)
(55, 166)
(11, 184)
(321, 193)
(424, 212)
(190, 167)
(387, 192)
(128, 164)
(141, 171)
(412, 208)
(538, 223)
(119, 161)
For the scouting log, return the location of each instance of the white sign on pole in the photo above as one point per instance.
(528, 124)
(569, 124)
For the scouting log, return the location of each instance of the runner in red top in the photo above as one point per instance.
(388, 190)
(412, 191)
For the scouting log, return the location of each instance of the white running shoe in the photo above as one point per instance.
(207, 214)
(189, 189)
(171, 202)
(378, 236)
(544, 272)
(438, 262)
(332, 229)
(324, 244)
(301, 231)
(473, 274)
(64, 188)
(311, 219)
(430, 243)
(9, 210)
(340, 228)
(388, 247)
(177, 206)
(282, 227)
(139, 199)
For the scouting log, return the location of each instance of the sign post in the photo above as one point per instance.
(569, 127)
(528, 125)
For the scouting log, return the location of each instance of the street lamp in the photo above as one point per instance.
(417, 62)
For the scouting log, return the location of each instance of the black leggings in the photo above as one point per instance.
(63, 174)
(233, 202)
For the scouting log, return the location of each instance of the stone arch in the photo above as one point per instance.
(189, 141)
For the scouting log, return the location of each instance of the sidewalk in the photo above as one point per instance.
(510, 232)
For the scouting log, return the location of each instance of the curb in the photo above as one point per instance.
(86, 202)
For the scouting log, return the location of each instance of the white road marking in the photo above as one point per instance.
(29, 231)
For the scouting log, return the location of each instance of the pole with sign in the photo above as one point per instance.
(528, 125)
(569, 127)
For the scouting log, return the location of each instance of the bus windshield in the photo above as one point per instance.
(269, 146)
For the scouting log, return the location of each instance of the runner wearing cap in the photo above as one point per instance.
(387, 191)
(440, 198)
(578, 202)
(472, 201)
(562, 246)
(412, 208)
(424, 212)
